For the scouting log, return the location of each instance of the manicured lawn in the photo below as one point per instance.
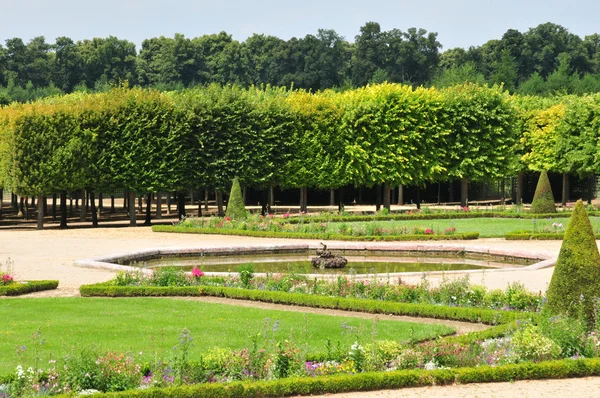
(487, 227)
(152, 326)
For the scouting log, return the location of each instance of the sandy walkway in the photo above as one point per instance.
(49, 254)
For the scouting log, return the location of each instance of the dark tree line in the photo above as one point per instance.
(544, 60)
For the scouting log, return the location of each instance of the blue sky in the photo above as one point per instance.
(459, 23)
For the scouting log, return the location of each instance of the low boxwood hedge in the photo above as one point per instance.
(19, 288)
(303, 235)
(376, 381)
(468, 314)
(428, 216)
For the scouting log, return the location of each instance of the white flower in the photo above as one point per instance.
(430, 365)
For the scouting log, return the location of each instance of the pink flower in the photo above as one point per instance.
(227, 219)
(7, 279)
(429, 231)
(196, 273)
(286, 215)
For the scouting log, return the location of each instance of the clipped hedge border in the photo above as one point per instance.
(561, 369)
(468, 314)
(535, 236)
(19, 288)
(428, 216)
(301, 235)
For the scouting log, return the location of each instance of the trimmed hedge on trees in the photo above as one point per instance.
(19, 288)
(301, 235)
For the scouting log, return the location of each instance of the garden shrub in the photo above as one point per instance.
(235, 205)
(575, 284)
(543, 199)
(25, 287)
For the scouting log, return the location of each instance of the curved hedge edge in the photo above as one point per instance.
(298, 235)
(482, 315)
(566, 368)
(19, 288)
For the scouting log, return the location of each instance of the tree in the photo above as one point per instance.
(543, 199)
(235, 205)
(575, 281)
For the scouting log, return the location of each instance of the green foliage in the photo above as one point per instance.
(543, 199)
(483, 315)
(575, 282)
(19, 288)
(235, 205)
(300, 235)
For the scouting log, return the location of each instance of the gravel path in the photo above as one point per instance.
(49, 254)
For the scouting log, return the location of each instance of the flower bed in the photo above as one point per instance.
(315, 235)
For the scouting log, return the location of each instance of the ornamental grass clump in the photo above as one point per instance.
(235, 206)
(575, 285)
(543, 200)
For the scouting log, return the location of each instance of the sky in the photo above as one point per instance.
(459, 23)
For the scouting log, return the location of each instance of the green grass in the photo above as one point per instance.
(152, 326)
(487, 227)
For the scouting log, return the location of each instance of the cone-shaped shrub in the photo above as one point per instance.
(543, 200)
(235, 206)
(575, 282)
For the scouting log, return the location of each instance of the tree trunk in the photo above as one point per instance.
(386, 197)
(53, 207)
(168, 203)
(100, 203)
(360, 195)
(451, 191)
(181, 205)
(502, 191)
(200, 206)
(219, 197)
(439, 193)
(464, 191)
(191, 197)
(20, 213)
(271, 197)
(418, 197)
(565, 189)
(393, 195)
(132, 209)
(63, 209)
(590, 189)
(45, 206)
(306, 199)
(82, 209)
(332, 197)
(301, 199)
(206, 200)
(125, 199)
(112, 203)
(40, 219)
(400, 195)
(341, 200)
(14, 202)
(377, 197)
(519, 196)
(159, 205)
(33, 202)
(93, 209)
(148, 220)
(140, 204)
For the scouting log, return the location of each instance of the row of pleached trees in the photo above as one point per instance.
(145, 141)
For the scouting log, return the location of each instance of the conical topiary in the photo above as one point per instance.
(543, 200)
(575, 283)
(235, 205)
